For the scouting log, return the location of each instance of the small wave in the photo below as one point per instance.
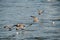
(55, 19)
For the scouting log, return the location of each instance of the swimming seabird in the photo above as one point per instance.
(8, 27)
(20, 26)
(35, 19)
(40, 12)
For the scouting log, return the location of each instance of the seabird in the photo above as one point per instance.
(20, 26)
(35, 19)
(8, 27)
(40, 12)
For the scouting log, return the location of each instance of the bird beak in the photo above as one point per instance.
(31, 16)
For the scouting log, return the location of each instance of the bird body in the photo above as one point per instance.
(8, 27)
(40, 12)
(19, 26)
(35, 19)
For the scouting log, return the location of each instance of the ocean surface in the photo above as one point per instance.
(19, 11)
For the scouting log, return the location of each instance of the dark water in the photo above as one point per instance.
(19, 11)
